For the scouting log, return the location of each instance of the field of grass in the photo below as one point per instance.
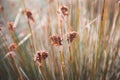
(59, 40)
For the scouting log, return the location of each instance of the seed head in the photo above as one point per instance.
(12, 47)
(71, 36)
(63, 10)
(10, 26)
(40, 56)
(56, 40)
(29, 15)
(44, 54)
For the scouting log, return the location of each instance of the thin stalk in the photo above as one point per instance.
(62, 63)
(100, 34)
(32, 38)
(14, 63)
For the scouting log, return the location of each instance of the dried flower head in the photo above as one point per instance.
(44, 55)
(10, 54)
(71, 36)
(40, 56)
(1, 8)
(56, 40)
(63, 10)
(29, 15)
(10, 26)
(12, 47)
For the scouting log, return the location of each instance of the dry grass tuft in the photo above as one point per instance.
(80, 42)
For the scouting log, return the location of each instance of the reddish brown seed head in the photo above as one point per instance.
(29, 15)
(71, 36)
(56, 40)
(64, 10)
(10, 26)
(44, 54)
(12, 47)
(40, 56)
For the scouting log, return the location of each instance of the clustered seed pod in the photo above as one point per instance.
(71, 36)
(63, 10)
(56, 40)
(12, 47)
(10, 26)
(29, 15)
(40, 56)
